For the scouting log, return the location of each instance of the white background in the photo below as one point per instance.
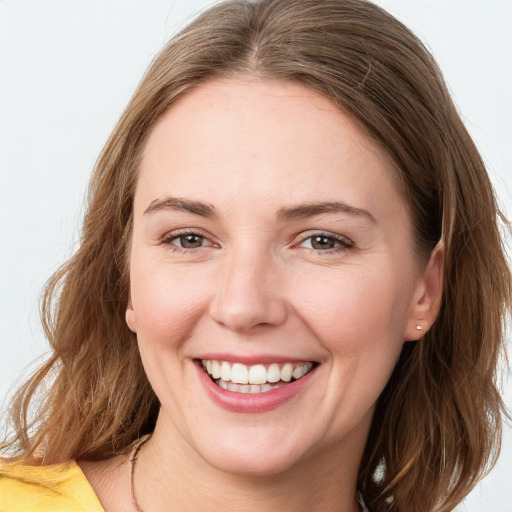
(67, 69)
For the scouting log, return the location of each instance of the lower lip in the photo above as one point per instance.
(252, 402)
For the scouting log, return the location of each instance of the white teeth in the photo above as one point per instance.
(287, 372)
(239, 374)
(225, 371)
(274, 373)
(248, 388)
(257, 374)
(300, 371)
(254, 379)
(230, 386)
(215, 373)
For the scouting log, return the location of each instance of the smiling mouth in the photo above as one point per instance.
(258, 378)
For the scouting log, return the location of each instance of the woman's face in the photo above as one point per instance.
(270, 244)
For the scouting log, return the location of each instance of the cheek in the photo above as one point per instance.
(166, 304)
(359, 312)
(359, 319)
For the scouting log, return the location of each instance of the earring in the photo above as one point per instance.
(419, 328)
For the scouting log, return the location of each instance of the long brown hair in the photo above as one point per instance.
(437, 426)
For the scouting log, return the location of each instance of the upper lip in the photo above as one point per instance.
(252, 359)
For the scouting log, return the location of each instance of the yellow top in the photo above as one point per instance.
(58, 488)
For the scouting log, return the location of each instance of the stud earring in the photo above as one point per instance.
(419, 328)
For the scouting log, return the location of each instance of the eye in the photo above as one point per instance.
(187, 241)
(326, 242)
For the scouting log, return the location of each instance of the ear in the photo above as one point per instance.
(130, 315)
(426, 299)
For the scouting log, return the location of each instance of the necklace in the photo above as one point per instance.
(133, 459)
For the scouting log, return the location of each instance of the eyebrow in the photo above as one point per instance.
(178, 203)
(302, 211)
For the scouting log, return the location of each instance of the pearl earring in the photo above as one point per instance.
(419, 328)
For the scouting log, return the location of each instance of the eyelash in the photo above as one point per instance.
(175, 235)
(341, 243)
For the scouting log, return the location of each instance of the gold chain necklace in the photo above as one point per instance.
(133, 459)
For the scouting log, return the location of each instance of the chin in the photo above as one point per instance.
(256, 463)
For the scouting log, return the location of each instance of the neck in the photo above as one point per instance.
(170, 476)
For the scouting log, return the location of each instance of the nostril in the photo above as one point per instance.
(246, 300)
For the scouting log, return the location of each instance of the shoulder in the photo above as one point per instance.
(59, 488)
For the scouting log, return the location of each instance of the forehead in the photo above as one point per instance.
(252, 138)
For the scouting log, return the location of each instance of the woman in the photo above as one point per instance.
(290, 272)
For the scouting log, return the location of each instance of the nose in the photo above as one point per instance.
(249, 295)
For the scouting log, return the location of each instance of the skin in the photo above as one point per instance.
(255, 152)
